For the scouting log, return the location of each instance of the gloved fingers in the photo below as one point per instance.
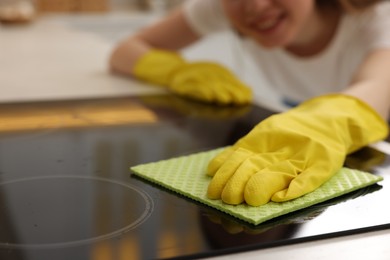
(225, 171)
(236, 93)
(239, 92)
(233, 192)
(243, 95)
(214, 90)
(200, 88)
(307, 181)
(264, 184)
(222, 94)
(190, 88)
(211, 83)
(218, 160)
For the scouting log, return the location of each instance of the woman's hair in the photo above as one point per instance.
(348, 5)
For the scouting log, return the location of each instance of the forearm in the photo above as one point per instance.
(125, 55)
(371, 83)
(373, 94)
(171, 33)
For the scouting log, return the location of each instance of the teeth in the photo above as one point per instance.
(267, 24)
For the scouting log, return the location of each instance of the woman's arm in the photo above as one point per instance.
(171, 33)
(371, 83)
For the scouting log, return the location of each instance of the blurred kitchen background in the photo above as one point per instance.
(59, 49)
(99, 16)
(87, 5)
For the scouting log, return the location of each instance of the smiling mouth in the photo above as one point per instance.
(269, 24)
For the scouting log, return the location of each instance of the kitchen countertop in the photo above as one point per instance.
(62, 57)
(58, 62)
(65, 57)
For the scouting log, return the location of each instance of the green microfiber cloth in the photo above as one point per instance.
(186, 176)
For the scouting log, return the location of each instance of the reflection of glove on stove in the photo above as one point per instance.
(204, 81)
(293, 153)
(190, 108)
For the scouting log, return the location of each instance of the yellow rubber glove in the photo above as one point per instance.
(203, 81)
(293, 153)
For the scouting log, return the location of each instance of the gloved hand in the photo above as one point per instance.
(293, 153)
(203, 81)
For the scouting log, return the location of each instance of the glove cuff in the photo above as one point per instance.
(157, 66)
(365, 125)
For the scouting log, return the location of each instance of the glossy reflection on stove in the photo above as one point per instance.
(58, 211)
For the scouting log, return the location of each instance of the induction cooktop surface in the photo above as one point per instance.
(66, 191)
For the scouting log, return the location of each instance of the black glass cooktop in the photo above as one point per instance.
(66, 191)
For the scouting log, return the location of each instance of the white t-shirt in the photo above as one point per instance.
(296, 78)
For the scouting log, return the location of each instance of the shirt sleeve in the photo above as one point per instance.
(376, 26)
(205, 16)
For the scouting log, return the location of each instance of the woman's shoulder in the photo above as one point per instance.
(381, 8)
(378, 13)
(372, 24)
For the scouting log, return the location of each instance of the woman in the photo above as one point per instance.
(330, 57)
